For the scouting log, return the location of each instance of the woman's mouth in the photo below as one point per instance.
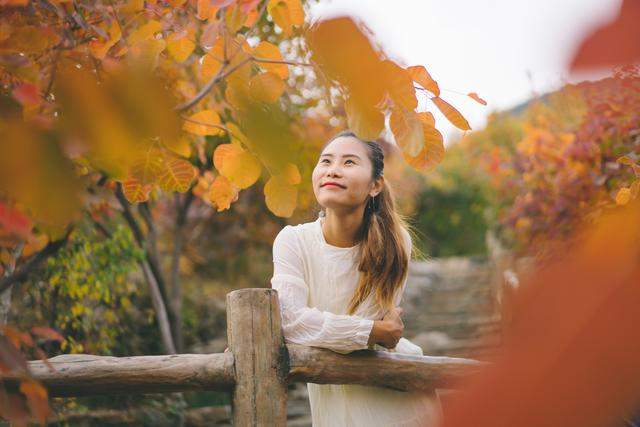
(332, 184)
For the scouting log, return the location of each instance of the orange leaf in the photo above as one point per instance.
(47, 333)
(477, 98)
(420, 75)
(623, 196)
(238, 165)
(134, 191)
(407, 129)
(292, 174)
(399, 85)
(427, 118)
(451, 114)
(222, 193)
(37, 398)
(363, 119)
(432, 153)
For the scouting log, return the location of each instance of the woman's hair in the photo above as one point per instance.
(383, 255)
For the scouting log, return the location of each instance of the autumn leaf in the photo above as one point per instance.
(407, 130)
(623, 196)
(99, 48)
(204, 122)
(37, 399)
(222, 193)
(14, 221)
(399, 85)
(238, 165)
(177, 174)
(268, 51)
(432, 153)
(427, 118)
(364, 120)
(453, 115)
(266, 87)
(47, 333)
(476, 98)
(280, 196)
(420, 75)
(145, 32)
(135, 192)
(286, 14)
(148, 165)
(180, 46)
(292, 174)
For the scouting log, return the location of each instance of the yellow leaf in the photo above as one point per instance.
(451, 114)
(180, 46)
(100, 48)
(408, 130)
(203, 123)
(623, 196)
(286, 14)
(147, 52)
(363, 119)
(147, 165)
(132, 6)
(266, 50)
(292, 174)
(238, 165)
(181, 146)
(432, 153)
(145, 32)
(178, 174)
(280, 196)
(625, 160)
(222, 193)
(420, 75)
(266, 87)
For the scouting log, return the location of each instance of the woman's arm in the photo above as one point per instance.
(308, 325)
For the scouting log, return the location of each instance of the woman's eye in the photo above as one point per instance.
(350, 161)
(324, 160)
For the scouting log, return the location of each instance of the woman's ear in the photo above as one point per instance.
(378, 184)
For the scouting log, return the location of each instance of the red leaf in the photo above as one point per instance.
(570, 356)
(14, 221)
(616, 43)
(27, 94)
(47, 333)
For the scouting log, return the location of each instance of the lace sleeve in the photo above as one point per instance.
(308, 325)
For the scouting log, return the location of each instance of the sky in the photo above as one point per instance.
(505, 50)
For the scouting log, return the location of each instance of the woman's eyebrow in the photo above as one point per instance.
(343, 156)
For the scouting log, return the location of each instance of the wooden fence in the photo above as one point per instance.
(256, 370)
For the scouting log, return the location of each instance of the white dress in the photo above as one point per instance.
(315, 282)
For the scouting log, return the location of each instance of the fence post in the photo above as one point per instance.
(261, 363)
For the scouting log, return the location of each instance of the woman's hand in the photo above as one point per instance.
(388, 331)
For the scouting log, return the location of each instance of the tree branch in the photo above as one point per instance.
(23, 271)
(221, 74)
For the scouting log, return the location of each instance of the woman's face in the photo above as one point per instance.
(342, 177)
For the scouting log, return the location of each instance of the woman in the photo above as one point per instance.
(340, 279)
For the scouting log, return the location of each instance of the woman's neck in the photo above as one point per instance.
(340, 229)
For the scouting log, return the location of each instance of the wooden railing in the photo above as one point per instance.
(256, 370)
